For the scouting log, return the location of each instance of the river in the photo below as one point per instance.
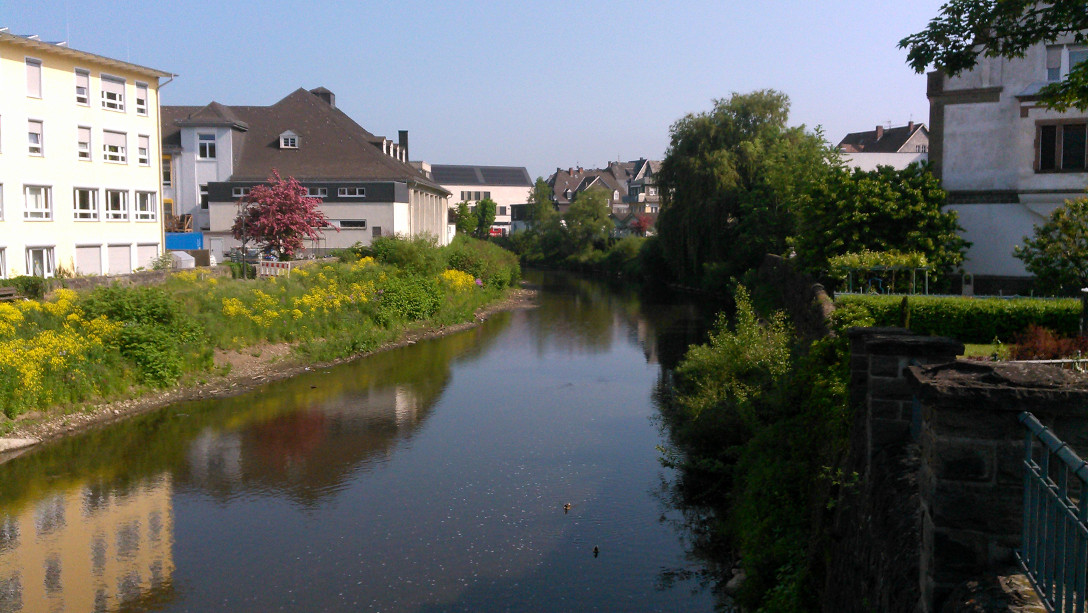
(431, 477)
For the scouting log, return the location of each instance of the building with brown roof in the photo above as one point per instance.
(507, 186)
(214, 154)
(630, 185)
(897, 147)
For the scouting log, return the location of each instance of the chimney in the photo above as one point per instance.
(326, 95)
(402, 136)
(910, 126)
(570, 171)
(879, 132)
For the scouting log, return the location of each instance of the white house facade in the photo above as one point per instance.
(1006, 161)
(79, 171)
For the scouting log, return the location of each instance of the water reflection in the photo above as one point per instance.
(88, 548)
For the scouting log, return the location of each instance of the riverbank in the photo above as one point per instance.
(244, 370)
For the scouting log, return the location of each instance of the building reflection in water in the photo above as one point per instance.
(88, 548)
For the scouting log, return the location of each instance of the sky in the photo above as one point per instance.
(536, 84)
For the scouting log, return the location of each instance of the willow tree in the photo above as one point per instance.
(729, 183)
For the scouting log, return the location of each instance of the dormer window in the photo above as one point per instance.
(288, 140)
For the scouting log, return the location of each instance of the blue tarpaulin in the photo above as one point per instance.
(181, 241)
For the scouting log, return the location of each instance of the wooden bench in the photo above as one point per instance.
(9, 293)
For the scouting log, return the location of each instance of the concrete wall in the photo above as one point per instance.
(60, 168)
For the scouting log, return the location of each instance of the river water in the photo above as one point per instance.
(427, 478)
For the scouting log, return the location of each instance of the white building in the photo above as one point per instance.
(216, 153)
(507, 186)
(897, 147)
(1006, 161)
(79, 150)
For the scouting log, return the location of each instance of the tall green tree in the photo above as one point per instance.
(1057, 253)
(541, 209)
(485, 216)
(967, 29)
(587, 220)
(879, 210)
(729, 182)
(466, 219)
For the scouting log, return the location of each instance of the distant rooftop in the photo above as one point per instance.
(450, 174)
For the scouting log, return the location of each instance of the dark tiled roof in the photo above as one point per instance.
(331, 146)
(614, 178)
(452, 174)
(890, 140)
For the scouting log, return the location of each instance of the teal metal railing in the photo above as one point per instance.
(1054, 549)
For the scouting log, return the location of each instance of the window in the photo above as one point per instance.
(1063, 147)
(288, 140)
(205, 146)
(502, 210)
(83, 87)
(38, 202)
(353, 223)
(1, 219)
(39, 261)
(116, 205)
(145, 206)
(317, 192)
(1060, 58)
(141, 99)
(83, 143)
(143, 151)
(474, 196)
(35, 135)
(167, 171)
(376, 231)
(86, 203)
(113, 147)
(3, 275)
(239, 192)
(204, 196)
(113, 93)
(33, 78)
(351, 192)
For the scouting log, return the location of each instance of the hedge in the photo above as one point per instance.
(973, 320)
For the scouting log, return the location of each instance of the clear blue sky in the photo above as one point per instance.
(534, 84)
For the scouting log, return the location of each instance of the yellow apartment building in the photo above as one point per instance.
(80, 180)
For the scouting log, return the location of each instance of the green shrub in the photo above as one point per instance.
(495, 266)
(420, 255)
(29, 287)
(972, 320)
(408, 298)
(154, 351)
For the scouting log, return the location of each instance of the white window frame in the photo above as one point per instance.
(35, 149)
(84, 98)
(113, 214)
(113, 101)
(36, 71)
(205, 147)
(351, 224)
(42, 213)
(203, 194)
(114, 154)
(145, 207)
(143, 150)
(81, 213)
(141, 102)
(239, 192)
(83, 148)
(167, 171)
(317, 192)
(1, 213)
(47, 260)
(351, 192)
(289, 140)
(3, 263)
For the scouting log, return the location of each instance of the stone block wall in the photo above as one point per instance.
(971, 475)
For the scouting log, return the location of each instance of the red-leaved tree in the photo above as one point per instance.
(279, 215)
(641, 224)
